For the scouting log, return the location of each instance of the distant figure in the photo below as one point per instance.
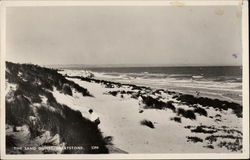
(141, 104)
(94, 117)
(197, 93)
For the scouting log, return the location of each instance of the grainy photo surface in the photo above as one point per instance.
(123, 79)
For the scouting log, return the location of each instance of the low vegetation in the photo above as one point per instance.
(215, 103)
(186, 113)
(233, 146)
(176, 119)
(33, 98)
(147, 123)
(34, 78)
(203, 129)
(194, 139)
(209, 146)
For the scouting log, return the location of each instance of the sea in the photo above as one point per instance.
(221, 82)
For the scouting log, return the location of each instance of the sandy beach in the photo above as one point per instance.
(120, 119)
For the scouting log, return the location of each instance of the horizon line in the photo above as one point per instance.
(131, 65)
(125, 65)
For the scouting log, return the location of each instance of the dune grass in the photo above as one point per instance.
(186, 113)
(33, 82)
(215, 103)
(176, 119)
(194, 139)
(147, 123)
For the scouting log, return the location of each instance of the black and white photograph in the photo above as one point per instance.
(124, 79)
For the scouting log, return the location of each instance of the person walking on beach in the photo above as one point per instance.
(141, 104)
(94, 117)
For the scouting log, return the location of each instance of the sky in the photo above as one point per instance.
(98, 35)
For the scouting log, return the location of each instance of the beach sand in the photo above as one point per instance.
(120, 119)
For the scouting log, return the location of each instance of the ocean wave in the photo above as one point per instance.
(221, 83)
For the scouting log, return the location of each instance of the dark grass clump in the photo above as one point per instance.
(190, 114)
(74, 129)
(66, 89)
(151, 102)
(200, 111)
(29, 90)
(17, 111)
(186, 113)
(211, 139)
(113, 93)
(214, 138)
(155, 103)
(232, 146)
(203, 129)
(147, 123)
(194, 139)
(232, 131)
(209, 146)
(176, 119)
(170, 106)
(10, 141)
(212, 129)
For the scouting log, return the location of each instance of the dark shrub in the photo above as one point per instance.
(194, 139)
(209, 146)
(113, 93)
(201, 111)
(233, 146)
(190, 114)
(10, 141)
(211, 139)
(176, 119)
(201, 129)
(17, 112)
(186, 113)
(181, 111)
(147, 123)
(170, 105)
(66, 89)
(73, 128)
(151, 102)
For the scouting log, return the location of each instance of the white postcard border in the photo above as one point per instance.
(245, 52)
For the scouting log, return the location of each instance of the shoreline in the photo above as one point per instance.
(224, 94)
(174, 90)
